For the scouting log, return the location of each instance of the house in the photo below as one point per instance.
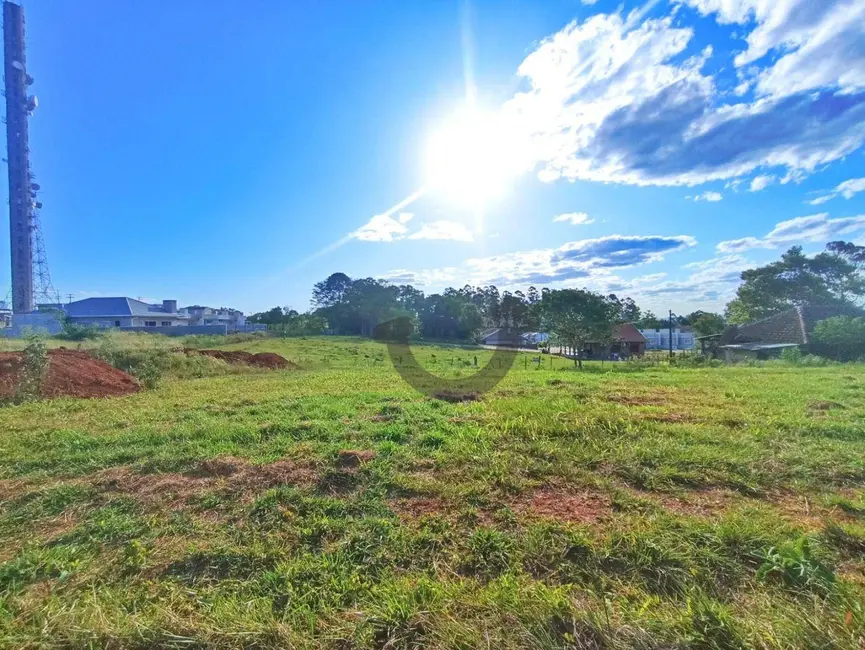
(627, 341)
(232, 318)
(659, 338)
(501, 337)
(767, 337)
(124, 312)
(533, 339)
(5, 314)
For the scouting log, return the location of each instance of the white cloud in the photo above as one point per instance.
(574, 218)
(383, 228)
(848, 189)
(711, 197)
(612, 99)
(712, 282)
(815, 228)
(443, 230)
(821, 42)
(761, 182)
(588, 3)
(740, 245)
(583, 259)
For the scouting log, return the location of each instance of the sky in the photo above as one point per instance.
(233, 154)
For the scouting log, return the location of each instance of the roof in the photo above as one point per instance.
(112, 307)
(759, 346)
(628, 333)
(790, 326)
(502, 334)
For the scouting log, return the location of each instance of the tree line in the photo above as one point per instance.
(572, 317)
(359, 306)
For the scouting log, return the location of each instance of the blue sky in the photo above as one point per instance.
(233, 154)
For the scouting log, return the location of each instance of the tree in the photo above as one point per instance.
(648, 321)
(705, 322)
(270, 317)
(796, 279)
(851, 252)
(574, 317)
(844, 336)
(329, 292)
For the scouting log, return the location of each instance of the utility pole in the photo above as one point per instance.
(670, 323)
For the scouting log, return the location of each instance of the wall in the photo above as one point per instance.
(138, 321)
(179, 331)
(102, 322)
(34, 322)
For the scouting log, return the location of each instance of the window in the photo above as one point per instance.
(166, 323)
(150, 323)
(117, 323)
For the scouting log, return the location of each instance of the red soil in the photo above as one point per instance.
(260, 360)
(565, 505)
(70, 373)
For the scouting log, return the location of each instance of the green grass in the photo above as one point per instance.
(335, 507)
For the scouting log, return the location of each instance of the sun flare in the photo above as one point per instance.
(473, 158)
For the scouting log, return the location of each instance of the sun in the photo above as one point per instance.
(473, 158)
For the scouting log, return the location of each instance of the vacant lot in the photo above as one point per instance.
(332, 506)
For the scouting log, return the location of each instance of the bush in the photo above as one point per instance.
(77, 332)
(793, 356)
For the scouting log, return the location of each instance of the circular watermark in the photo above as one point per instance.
(478, 379)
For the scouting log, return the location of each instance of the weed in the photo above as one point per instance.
(793, 565)
(33, 370)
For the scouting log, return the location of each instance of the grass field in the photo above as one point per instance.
(335, 507)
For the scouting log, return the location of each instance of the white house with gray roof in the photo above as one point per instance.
(124, 312)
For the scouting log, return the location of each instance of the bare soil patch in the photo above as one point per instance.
(354, 458)
(177, 489)
(419, 506)
(268, 360)
(72, 373)
(562, 504)
(700, 503)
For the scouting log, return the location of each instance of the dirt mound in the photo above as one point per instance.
(260, 359)
(70, 373)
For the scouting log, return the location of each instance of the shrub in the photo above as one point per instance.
(33, 370)
(793, 356)
(77, 332)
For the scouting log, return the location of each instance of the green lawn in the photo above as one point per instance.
(335, 507)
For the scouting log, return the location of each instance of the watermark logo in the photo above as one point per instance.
(479, 377)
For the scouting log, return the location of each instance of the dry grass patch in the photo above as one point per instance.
(177, 489)
(565, 504)
(697, 503)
